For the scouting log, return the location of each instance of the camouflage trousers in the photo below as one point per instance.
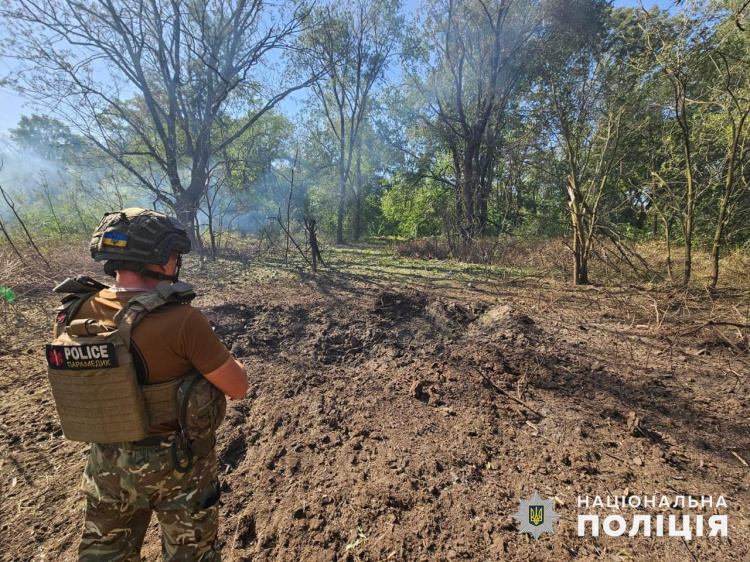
(123, 483)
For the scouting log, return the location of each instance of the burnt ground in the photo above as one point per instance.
(379, 423)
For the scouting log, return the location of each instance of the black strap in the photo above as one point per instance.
(157, 275)
(190, 456)
(174, 278)
(182, 417)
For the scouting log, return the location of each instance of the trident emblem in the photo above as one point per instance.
(536, 515)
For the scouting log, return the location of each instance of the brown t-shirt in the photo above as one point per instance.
(166, 343)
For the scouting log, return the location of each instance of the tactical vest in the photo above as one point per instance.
(91, 370)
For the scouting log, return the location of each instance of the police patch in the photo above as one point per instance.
(114, 239)
(81, 357)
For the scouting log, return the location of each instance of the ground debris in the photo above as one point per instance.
(398, 424)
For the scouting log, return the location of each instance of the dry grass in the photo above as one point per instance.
(541, 255)
(639, 263)
(608, 265)
(32, 276)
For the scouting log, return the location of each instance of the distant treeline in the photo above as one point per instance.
(464, 120)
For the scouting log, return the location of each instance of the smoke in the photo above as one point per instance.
(22, 168)
(60, 193)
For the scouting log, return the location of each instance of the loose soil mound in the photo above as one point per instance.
(381, 425)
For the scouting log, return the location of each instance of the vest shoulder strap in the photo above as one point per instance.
(142, 304)
(77, 290)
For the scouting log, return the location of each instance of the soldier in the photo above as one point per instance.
(125, 481)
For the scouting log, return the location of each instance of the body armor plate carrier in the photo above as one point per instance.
(91, 370)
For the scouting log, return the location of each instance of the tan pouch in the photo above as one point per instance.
(96, 388)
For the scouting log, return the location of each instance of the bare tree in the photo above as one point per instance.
(356, 43)
(669, 43)
(5, 232)
(12, 207)
(591, 118)
(44, 187)
(468, 85)
(150, 82)
(730, 62)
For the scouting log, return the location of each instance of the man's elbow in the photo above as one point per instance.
(238, 392)
(239, 389)
(230, 378)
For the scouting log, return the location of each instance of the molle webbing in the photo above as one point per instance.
(78, 290)
(161, 401)
(93, 378)
(100, 405)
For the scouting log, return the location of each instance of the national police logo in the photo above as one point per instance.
(537, 516)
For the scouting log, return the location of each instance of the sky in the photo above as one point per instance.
(12, 107)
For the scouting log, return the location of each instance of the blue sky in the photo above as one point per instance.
(13, 107)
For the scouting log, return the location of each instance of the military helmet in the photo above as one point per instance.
(138, 235)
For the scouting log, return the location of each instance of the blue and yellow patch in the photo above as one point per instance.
(536, 515)
(112, 239)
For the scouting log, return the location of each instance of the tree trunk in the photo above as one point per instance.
(725, 201)
(342, 204)
(186, 211)
(580, 255)
(468, 197)
(314, 247)
(582, 277)
(357, 216)
(358, 194)
(718, 234)
(689, 221)
(211, 234)
(668, 234)
(580, 258)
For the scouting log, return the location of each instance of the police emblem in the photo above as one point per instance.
(536, 516)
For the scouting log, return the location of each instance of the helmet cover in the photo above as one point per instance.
(138, 235)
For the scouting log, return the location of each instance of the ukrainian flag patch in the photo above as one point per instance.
(113, 239)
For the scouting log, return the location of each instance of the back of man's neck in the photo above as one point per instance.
(132, 281)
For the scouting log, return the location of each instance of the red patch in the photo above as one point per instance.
(55, 358)
(61, 317)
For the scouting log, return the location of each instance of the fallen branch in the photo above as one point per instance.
(711, 323)
(726, 340)
(507, 394)
(739, 458)
(12, 206)
(291, 239)
(684, 542)
(614, 457)
(736, 325)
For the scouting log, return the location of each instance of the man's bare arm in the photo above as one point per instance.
(230, 378)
